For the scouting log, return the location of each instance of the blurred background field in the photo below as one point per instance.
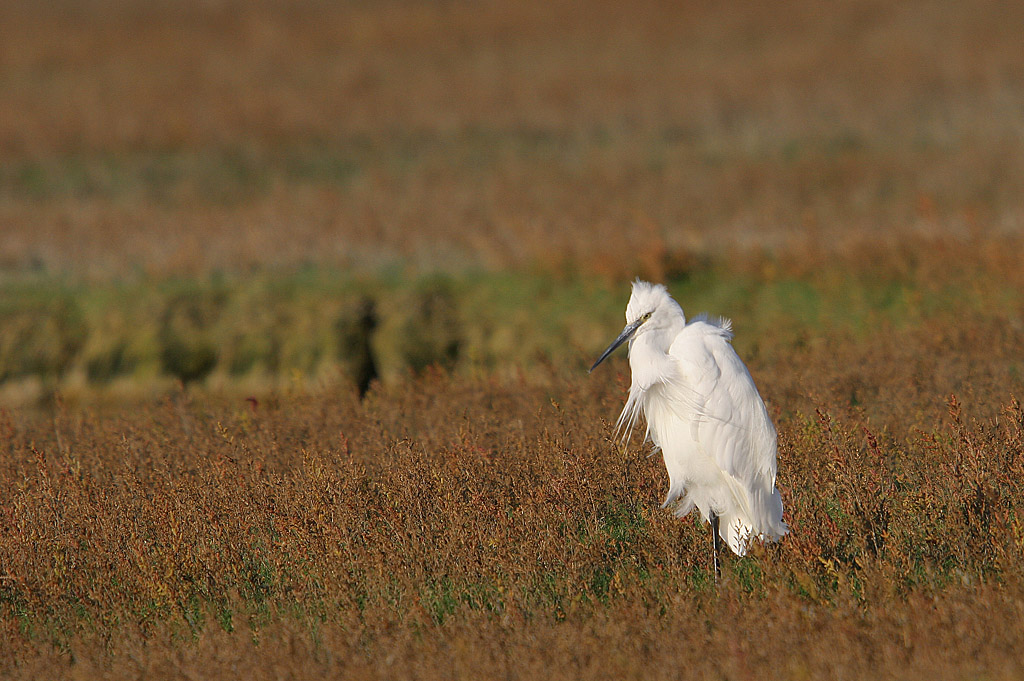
(216, 191)
(258, 332)
(178, 137)
(220, 222)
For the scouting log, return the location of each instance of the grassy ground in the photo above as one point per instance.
(212, 215)
(455, 525)
(480, 516)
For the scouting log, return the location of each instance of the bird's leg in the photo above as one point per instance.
(715, 544)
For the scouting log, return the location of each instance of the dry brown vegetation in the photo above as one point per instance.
(456, 527)
(210, 193)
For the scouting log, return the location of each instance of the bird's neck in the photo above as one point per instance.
(660, 340)
(649, 361)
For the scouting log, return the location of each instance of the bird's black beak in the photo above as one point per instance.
(626, 334)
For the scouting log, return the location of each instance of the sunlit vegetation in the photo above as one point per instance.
(297, 301)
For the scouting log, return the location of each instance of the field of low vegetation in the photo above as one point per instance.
(297, 302)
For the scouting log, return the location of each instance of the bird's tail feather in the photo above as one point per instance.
(736, 533)
(738, 530)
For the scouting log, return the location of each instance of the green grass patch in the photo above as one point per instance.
(272, 328)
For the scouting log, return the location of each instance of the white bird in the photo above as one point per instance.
(704, 413)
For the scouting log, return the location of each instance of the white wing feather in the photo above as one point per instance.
(704, 387)
(733, 427)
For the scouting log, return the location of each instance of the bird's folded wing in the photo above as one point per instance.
(716, 392)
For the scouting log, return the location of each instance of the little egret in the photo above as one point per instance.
(704, 413)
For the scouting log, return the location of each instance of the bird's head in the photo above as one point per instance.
(652, 306)
(650, 309)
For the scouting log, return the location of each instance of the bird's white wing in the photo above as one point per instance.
(728, 418)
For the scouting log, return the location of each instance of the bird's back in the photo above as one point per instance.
(716, 436)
